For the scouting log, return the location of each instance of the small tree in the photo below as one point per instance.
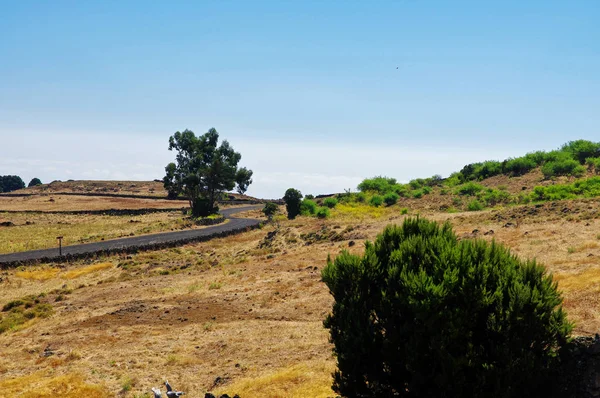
(270, 210)
(34, 182)
(292, 199)
(203, 170)
(243, 178)
(422, 314)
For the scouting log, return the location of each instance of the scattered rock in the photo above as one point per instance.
(219, 381)
(48, 351)
(6, 224)
(490, 232)
(209, 395)
(509, 225)
(351, 243)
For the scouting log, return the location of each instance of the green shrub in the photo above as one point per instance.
(580, 150)
(404, 210)
(417, 183)
(322, 212)
(376, 200)
(401, 190)
(361, 197)
(330, 202)
(470, 189)
(379, 184)
(563, 167)
(587, 187)
(593, 164)
(492, 197)
(474, 205)
(391, 198)
(292, 199)
(519, 166)
(538, 157)
(427, 190)
(270, 210)
(455, 179)
(435, 180)
(422, 314)
(418, 194)
(309, 196)
(308, 207)
(488, 169)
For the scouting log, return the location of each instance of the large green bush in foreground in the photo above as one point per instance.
(422, 314)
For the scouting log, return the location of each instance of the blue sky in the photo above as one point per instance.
(315, 94)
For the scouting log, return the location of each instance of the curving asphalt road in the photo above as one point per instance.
(163, 239)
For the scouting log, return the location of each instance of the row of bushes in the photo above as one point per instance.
(385, 185)
(568, 160)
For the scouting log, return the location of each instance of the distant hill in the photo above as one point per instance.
(100, 187)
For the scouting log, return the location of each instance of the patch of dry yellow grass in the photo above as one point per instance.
(75, 273)
(580, 281)
(309, 379)
(356, 211)
(45, 274)
(41, 385)
(38, 274)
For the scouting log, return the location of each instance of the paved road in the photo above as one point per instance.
(139, 242)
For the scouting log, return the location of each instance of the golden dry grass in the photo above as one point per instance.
(77, 272)
(310, 379)
(43, 384)
(38, 274)
(154, 315)
(39, 231)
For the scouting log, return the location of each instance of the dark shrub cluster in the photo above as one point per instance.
(11, 183)
(292, 199)
(422, 314)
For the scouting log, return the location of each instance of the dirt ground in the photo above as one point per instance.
(244, 314)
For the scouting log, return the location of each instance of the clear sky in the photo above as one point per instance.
(315, 95)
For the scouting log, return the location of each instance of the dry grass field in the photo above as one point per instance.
(243, 314)
(74, 203)
(32, 231)
(39, 230)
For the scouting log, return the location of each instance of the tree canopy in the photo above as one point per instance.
(34, 182)
(203, 170)
(11, 183)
